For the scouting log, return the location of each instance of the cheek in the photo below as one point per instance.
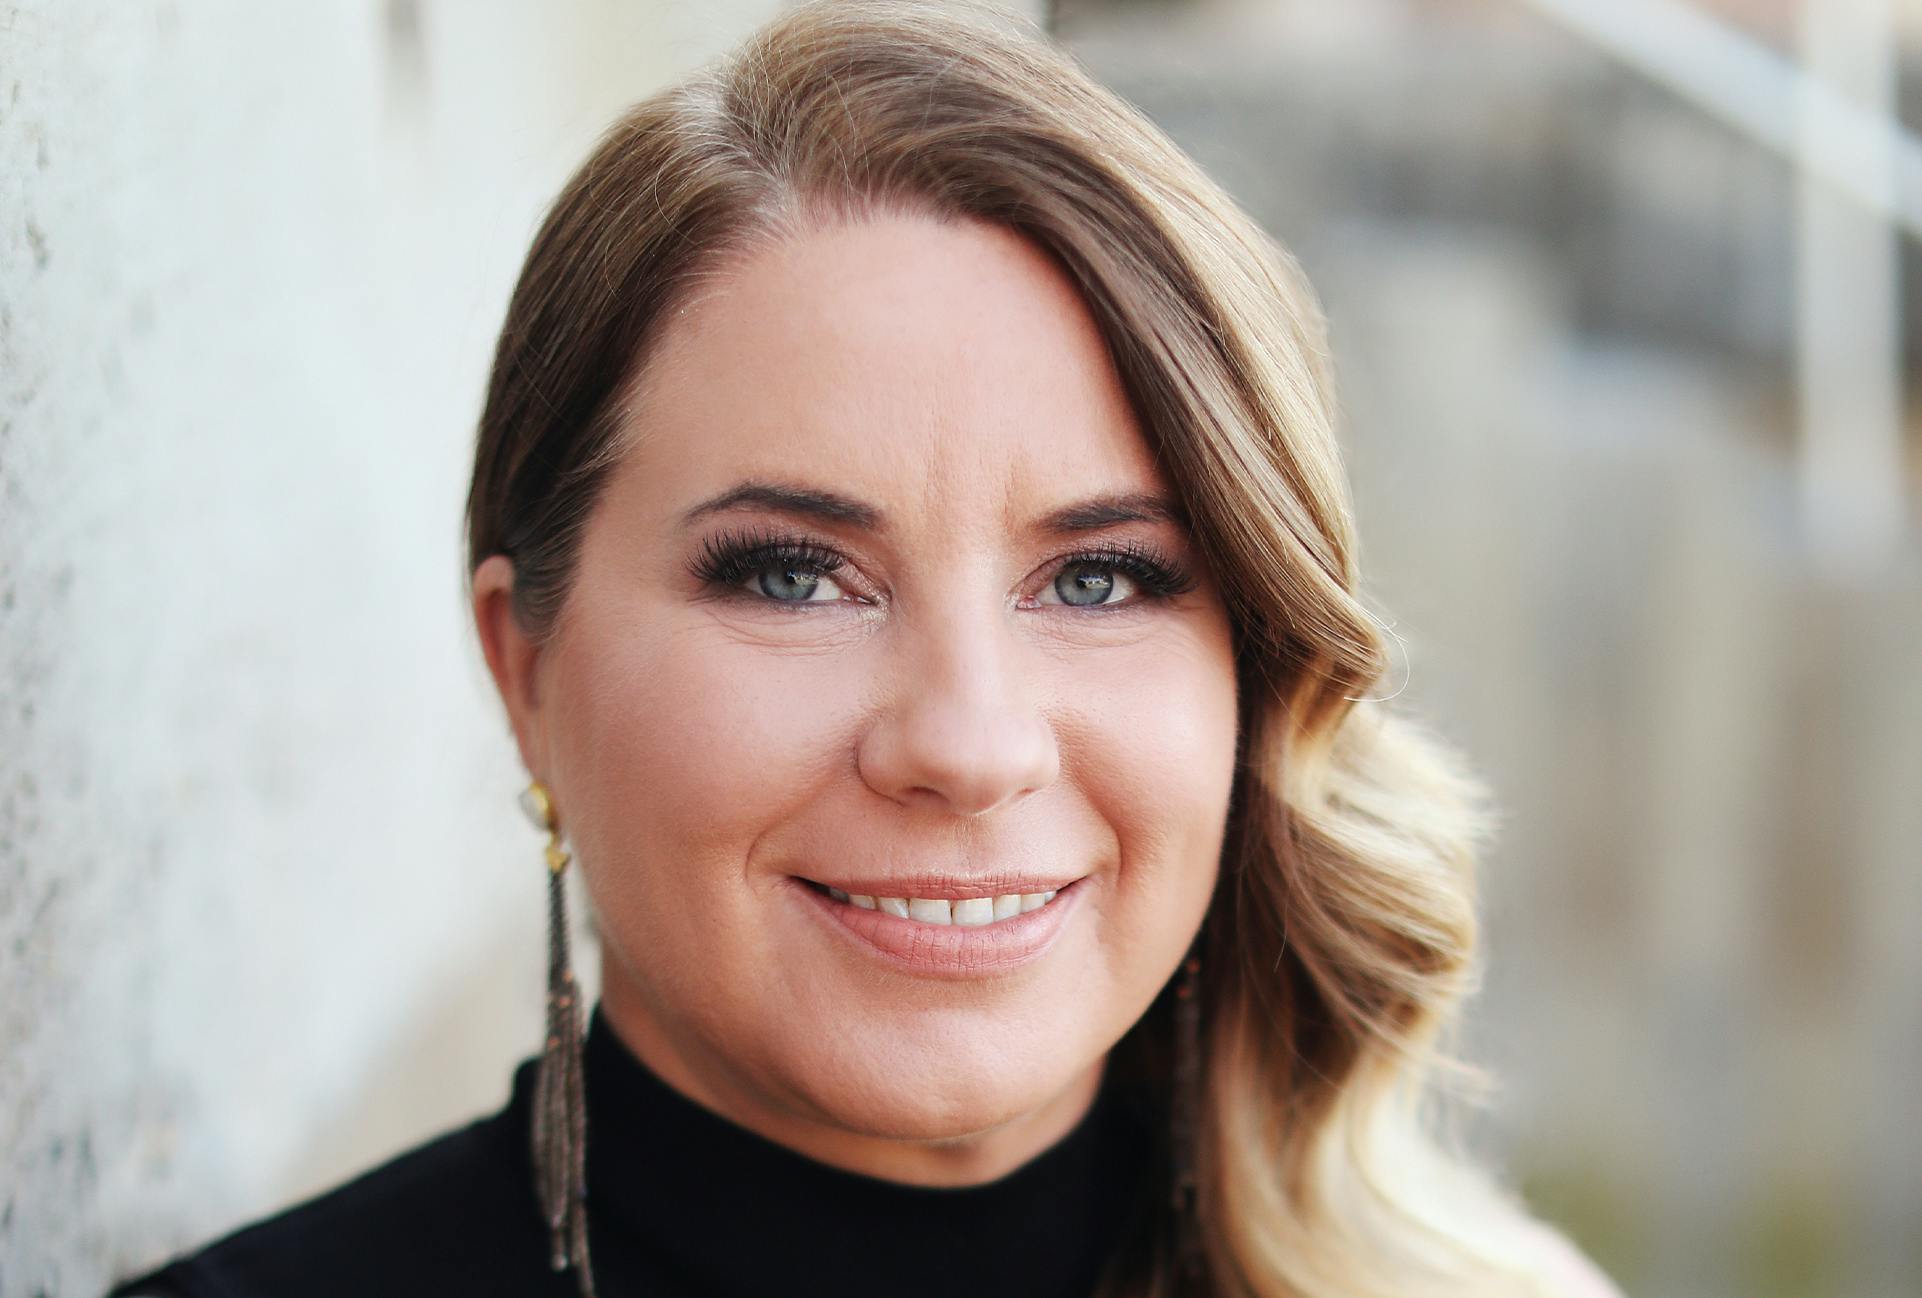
(1159, 762)
(684, 753)
(682, 749)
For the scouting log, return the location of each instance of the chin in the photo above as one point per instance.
(938, 1085)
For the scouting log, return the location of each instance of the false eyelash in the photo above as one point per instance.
(1160, 575)
(731, 557)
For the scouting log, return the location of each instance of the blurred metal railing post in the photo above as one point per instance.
(1847, 351)
(1848, 344)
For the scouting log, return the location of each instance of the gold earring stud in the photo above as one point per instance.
(539, 806)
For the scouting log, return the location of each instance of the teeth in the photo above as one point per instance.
(930, 910)
(969, 912)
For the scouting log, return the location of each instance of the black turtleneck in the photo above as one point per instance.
(683, 1203)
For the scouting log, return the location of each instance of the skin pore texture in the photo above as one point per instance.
(934, 704)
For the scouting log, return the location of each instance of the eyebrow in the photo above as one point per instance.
(1092, 514)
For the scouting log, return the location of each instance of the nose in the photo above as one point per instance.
(963, 729)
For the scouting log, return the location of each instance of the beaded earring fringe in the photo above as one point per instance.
(559, 1137)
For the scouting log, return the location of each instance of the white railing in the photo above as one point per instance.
(1860, 178)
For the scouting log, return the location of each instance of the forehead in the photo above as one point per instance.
(948, 370)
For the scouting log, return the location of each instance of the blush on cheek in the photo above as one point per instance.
(688, 745)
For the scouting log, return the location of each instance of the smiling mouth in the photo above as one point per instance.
(968, 912)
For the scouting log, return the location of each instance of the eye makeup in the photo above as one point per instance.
(730, 558)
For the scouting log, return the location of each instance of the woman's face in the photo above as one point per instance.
(833, 624)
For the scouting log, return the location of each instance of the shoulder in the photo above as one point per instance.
(453, 1215)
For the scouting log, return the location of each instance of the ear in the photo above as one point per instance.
(512, 658)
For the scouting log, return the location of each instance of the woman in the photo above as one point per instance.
(908, 536)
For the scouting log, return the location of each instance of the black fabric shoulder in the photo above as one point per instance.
(454, 1215)
(685, 1203)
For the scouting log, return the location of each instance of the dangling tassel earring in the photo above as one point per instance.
(1186, 1116)
(560, 1108)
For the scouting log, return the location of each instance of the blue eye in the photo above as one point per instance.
(1087, 580)
(789, 571)
(1093, 580)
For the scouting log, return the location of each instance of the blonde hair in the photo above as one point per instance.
(1342, 938)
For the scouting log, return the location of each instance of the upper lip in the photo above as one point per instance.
(949, 887)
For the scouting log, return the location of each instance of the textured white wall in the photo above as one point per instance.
(267, 912)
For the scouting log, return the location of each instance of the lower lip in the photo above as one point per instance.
(947, 950)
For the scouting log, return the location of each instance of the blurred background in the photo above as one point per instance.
(1622, 294)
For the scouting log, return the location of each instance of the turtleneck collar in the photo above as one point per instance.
(675, 1189)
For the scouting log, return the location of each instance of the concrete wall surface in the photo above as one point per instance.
(267, 911)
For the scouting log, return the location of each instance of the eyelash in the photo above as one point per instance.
(730, 558)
